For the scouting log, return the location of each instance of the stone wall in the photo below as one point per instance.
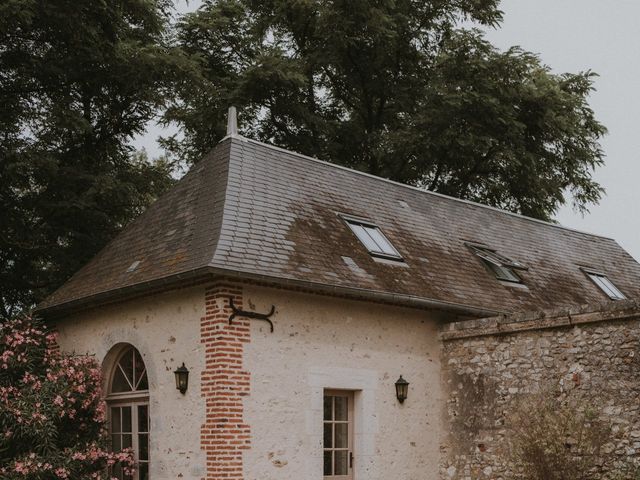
(591, 352)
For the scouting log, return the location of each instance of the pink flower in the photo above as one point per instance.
(50, 383)
(62, 473)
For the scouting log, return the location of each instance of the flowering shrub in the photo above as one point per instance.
(52, 417)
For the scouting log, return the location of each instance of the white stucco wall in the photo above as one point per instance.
(321, 342)
(165, 328)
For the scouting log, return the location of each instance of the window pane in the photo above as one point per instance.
(617, 294)
(342, 431)
(364, 237)
(600, 283)
(487, 256)
(117, 472)
(341, 408)
(381, 241)
(607, 286)
(139, 368)
(507, 274)
(341, 465)
(120, 383)
(116, 445)
(373, 238)
(328, 461)
(115, 419)
(131, 429)
(143, 443)
(143, 472)
(369, 231)
(126, 419)
(126, 364)
(328, 442)
(501, 266)
(143, 418)
(503, 273)
(328, 402)
(144, 382)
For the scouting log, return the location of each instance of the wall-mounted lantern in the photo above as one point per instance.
(402, 389)
(182, 378)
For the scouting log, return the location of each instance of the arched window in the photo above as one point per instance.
(128, 403)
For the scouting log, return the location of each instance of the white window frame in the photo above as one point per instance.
(364, 385)
(132, 399)
(378, 245)
(503, 268)
(604, 284)
(349, 395)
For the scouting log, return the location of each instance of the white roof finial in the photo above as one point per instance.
(232, 121)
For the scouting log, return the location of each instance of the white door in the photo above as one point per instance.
(338, 435)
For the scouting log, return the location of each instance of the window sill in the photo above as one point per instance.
(518, 285)
(396, 262)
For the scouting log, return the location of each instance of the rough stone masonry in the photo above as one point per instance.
(591, 351)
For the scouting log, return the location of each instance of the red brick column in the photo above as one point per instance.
(224, 434)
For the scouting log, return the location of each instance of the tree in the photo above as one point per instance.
(52, 416)
(393, 88)
(77, 80)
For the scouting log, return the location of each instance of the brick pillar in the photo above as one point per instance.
(224, 434)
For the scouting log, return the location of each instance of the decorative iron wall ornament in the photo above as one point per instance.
(255, 315)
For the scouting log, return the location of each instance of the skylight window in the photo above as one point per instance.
(501, 266)
(373, 239)
(606, 285)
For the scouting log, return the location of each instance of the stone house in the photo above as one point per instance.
(296, 293)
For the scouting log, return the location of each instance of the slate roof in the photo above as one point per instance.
(253, 211)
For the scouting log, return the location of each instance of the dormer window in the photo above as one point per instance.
(502, 267)
(372, 238)
(606, 285)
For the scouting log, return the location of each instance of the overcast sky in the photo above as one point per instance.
(601, 35)
(570, 36)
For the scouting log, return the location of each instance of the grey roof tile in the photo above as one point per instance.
(253, 208)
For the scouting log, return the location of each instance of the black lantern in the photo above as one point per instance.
(402, 389)
(182, 378)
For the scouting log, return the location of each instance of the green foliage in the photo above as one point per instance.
(390, 87)
(395, 89)
(52, 416)
(78, 78)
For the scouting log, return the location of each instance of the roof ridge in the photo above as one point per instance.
(223, 195)
(411, 187)
(227, 188)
